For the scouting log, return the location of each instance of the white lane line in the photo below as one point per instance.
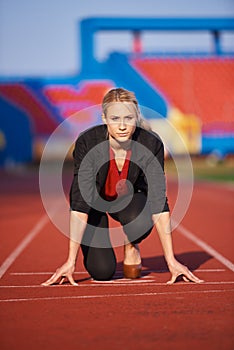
(122, 281)
(41, 273)
(117, 284)
(116, 274)
(24, 243)
(117, 295)
(152, 283)
(188, 234)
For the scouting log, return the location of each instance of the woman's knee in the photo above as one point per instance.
(100, 263)
(134, 210)
(140, 238)
(139, 228)
(100, 272)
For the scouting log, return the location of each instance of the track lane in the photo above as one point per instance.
(141, 315)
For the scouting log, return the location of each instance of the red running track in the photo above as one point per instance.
(120, 314)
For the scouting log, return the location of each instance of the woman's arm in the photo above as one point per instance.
(78, 223)
(163, 226)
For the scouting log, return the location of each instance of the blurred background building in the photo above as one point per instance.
(178, 60)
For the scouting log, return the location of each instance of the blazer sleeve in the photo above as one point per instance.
(82, 185)
(156, 180)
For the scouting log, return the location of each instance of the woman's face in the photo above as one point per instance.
(121, 120)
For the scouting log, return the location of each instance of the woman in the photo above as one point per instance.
(119, 170)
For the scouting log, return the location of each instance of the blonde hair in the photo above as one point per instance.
(122, 95)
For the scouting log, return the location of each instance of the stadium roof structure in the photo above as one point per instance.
(90, 26)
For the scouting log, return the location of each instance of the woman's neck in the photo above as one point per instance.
(117, 146)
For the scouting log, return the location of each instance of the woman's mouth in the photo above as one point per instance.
(123, 134)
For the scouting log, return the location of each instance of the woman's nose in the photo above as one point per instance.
(122, 125)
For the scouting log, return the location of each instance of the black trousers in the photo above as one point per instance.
(99, 256)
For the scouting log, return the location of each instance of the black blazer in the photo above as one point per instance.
(91, 164)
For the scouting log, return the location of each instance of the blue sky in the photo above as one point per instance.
(41, 38)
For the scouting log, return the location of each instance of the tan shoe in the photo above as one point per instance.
(132, 271)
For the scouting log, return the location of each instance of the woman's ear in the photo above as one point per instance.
(104, 118)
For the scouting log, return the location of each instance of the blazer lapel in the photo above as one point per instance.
(102, 159)
(136, 162)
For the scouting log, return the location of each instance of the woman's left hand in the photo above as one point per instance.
(177, 269)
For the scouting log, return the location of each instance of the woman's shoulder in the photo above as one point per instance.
(148, 137)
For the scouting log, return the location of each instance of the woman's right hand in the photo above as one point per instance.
(63, 272)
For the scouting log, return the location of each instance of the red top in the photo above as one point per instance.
(115, 182)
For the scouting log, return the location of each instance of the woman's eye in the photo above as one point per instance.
(114, 119)
(129, 119)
